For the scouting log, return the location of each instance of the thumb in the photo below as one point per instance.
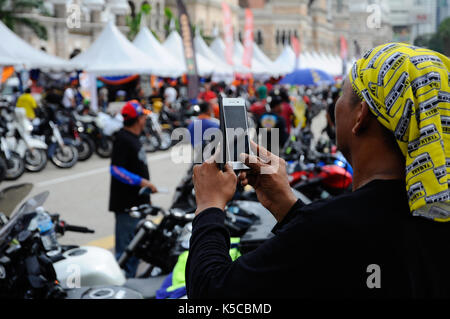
(252, 161)
(228, 170)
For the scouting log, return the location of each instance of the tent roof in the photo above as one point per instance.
(15, 51)
(174, 44)
(112, 54)
(259, 55)
(218, 48)
(146, 42)
(202, 48)
(257, 67)
(285, 62)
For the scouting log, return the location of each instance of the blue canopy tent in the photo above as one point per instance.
(307, 77)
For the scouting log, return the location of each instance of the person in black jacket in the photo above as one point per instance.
(366, 244)
(129, 172)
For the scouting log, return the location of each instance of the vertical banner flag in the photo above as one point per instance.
(228, 32)
(344, 54)
(248, 39)
(189, 50)
(297, 49)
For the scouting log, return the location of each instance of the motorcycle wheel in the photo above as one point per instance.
(2, 169)
(35, 160)
(165, 141)
(65, 157)
(105, 148)
(15, 167)
(150, 144)
(85, 148)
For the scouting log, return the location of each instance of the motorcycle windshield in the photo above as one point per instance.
(11, 196)
(29, 206)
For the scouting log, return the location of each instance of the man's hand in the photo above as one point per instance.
(148, 184)
(213, 187)
(268, 177)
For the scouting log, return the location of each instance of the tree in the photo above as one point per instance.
(439, 41)
(169, 17)
(9, 15)
(444, 36)
(134, 21)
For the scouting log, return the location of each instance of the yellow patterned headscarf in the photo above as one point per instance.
(407, 88)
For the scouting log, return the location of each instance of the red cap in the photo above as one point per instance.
(132, 110)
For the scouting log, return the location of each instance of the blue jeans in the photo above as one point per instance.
(125, 227)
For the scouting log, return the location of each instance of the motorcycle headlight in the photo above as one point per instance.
(80, 129)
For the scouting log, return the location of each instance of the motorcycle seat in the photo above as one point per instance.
(147, 287)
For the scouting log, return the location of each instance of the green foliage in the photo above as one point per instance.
(9, 15)
(439, 41)
(134, 23)
(169, 17)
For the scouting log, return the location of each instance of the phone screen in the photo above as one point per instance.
(237, 131)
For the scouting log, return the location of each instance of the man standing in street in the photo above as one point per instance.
(129, 172)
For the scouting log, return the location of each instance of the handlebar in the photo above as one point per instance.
(143, 210)
(62, 227)
(79, 229)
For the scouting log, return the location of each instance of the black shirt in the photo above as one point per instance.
(328, 249)
(129, 154)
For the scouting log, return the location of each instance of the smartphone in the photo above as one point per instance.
(234, 127)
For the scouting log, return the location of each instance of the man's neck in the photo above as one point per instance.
(133, 129)
(372, 161)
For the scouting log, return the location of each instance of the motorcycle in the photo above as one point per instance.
(318, 172)
(92, 127)
(26, 268)
(74, 129)
(92, 270)
(3, 169)
(154, 137)
(19, 138)
(13, 162)
(62, 151)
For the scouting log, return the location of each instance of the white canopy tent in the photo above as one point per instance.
(221, 69)
(218, 48)
(16, 52)
(259, 55)
(112, 54)
(331, 64)
(258, 68)
(146, 42)
(306, 60)
(174, 44)
(285, 63)
(337, 64)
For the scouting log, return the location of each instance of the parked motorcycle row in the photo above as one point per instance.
(65, 137)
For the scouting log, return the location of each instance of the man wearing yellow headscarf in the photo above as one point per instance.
(388, 238)
(407, 89)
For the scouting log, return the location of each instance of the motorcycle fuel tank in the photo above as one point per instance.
(88, 266)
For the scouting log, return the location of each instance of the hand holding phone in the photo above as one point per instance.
(234, 127)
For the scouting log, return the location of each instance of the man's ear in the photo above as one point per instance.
(362, 117)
